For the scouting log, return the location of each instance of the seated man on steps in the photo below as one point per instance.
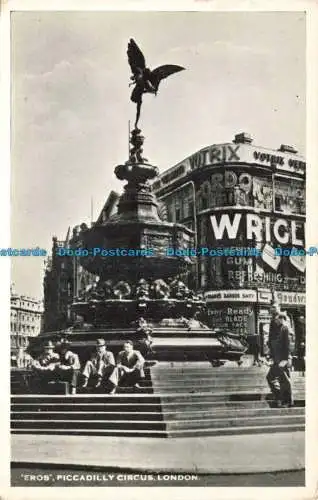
(100, 366)
(46, 363)
(68, 369)
(129, 367)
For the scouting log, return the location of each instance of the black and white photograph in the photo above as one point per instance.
(158, 248)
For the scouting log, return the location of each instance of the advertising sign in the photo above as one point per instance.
(269, 257)
(257, 228)
(237, 188)
(291, 298)
(289, 196)
(239, 319)
(265, 233)
(245, 153)
(230, 153)
(232, 295)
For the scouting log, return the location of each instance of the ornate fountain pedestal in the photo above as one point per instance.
(142, 292)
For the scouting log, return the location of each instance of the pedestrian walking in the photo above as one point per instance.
(278, 377)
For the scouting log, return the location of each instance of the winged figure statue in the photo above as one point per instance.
(145, 79)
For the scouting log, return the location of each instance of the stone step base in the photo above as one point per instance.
(267, 429)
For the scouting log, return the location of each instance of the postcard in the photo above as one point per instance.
(160, 257)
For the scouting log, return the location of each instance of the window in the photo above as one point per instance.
(191, 208)
(186, 208)
(178, 210)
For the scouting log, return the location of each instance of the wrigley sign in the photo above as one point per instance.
(258, 228)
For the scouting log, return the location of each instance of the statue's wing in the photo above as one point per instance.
(135, 57)
(162, 72)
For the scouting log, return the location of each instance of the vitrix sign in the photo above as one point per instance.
(245, 153)
(215, 154)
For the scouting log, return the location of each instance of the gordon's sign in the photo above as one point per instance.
(257, 228)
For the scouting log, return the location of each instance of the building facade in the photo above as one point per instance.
(25, 320)
(246, 205)
(64, 280)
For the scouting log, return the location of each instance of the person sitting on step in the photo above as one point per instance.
(129, 367)
(100, 366)
(46, 363)
(68, 369)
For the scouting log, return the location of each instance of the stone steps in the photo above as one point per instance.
(222, 431)
(103, 416)
(51, 423)
(214, 392)
(236, 421)
(228, 431)
(178, 400)
(131, 432)
(170, 425)
(155, 415)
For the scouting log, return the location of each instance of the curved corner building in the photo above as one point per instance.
(246, 205)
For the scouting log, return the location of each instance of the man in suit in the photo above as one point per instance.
(274, 326)
(129, 367)
(68, 368)
(46, 363)
(100, 366)
(278, 377)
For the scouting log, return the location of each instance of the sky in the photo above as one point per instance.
(245, 71)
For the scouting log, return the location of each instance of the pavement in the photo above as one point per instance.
(238, 454)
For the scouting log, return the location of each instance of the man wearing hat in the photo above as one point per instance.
(47, 361)
(129, 367)
(278, 377)
(100, 366)
(68, 368)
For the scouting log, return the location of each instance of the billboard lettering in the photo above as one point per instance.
(260, 229)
